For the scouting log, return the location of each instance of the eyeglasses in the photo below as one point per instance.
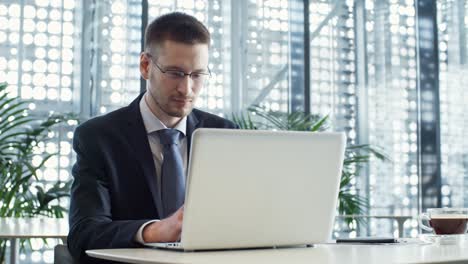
(178, 75)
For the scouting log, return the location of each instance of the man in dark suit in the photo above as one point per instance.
(129, 179)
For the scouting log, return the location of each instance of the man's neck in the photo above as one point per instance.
(168, 121)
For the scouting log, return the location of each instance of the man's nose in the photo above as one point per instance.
(185, 85)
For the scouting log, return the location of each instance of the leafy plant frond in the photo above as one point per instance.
(356, 159)
(17, 123)
(320, 125)
(20, 132)
(274, 120)
(5, 105)
(244, 121)
(295, 121)
(374, 151)
(351, 204)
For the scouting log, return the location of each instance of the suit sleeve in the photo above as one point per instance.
(90, 216)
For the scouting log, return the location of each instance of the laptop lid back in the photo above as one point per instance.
(249, 188)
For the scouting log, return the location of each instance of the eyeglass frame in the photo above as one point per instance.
(177, 74)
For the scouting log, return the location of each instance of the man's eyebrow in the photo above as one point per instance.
(201, 70)
(173, 67)
(177, 68)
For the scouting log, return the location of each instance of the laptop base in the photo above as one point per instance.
(177, 246)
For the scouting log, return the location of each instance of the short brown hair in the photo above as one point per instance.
(178, 27)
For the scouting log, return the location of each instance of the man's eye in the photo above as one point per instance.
(199, 75)
(196, 75)
(175, 74)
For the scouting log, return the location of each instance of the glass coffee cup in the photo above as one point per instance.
(445, 221)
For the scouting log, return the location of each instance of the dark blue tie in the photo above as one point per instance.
(172, 172)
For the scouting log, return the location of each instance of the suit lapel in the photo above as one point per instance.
(192, 124)
(136, 133)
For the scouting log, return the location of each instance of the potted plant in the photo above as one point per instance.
(20, 134)
(349, 201)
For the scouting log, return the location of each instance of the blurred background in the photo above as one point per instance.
(390, 73)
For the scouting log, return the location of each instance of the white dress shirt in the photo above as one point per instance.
(152, 125)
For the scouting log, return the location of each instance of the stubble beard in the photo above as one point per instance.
(179, 113)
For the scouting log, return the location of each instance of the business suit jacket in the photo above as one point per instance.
(114, 190)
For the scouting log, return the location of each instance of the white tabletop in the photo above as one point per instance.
(33, 228)
(411, 252)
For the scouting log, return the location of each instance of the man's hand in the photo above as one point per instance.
(167, 230)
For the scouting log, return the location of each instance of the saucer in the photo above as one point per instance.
(444, 239)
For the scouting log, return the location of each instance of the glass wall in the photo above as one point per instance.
(363, 73)
(392, 124)
(39, 60)
(112, 45)
(452, 24)
(369, 83)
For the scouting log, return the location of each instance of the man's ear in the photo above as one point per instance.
(144, 66)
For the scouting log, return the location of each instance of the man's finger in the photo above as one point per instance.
(180, 216)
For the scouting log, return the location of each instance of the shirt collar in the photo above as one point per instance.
(152, 123)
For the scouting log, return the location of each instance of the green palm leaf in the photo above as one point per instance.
(244, 121)
(19, 134)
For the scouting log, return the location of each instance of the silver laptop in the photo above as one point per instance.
(254, 189)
